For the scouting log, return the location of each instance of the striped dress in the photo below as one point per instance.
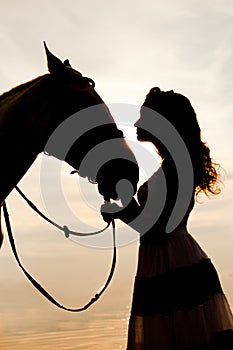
(178, 302)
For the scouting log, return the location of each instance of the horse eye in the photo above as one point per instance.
(90, 81)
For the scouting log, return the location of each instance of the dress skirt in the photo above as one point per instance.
(178, 302)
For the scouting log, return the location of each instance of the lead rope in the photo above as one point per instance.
(36, 284)
(64, 228)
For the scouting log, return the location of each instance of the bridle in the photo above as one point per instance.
(67, 232)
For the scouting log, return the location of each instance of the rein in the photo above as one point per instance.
(64, 228)
(67, 232)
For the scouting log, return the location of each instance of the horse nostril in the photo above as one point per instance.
(125, 191)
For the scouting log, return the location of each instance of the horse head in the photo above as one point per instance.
(82, 132)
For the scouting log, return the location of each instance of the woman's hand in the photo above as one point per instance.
(110, 211)
(127, 214)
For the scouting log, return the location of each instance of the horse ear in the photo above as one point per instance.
(67, 63)
(55, 65)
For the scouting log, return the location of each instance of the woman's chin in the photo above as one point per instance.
(141, 138)
(142, 135)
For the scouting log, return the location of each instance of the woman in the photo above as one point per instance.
(178, 302)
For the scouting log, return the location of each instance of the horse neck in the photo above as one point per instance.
(18, 148)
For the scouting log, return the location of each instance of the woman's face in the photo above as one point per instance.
(146, 136)
(142, 134)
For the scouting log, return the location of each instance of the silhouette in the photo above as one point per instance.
(178, 302)
(30, 114)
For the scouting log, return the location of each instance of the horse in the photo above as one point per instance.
(30, 114)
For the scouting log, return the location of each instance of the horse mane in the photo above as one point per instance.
(21, 87)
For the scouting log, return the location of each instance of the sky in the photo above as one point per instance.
(126, 47)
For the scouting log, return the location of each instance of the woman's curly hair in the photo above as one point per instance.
(178, 110)
(206, 171)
